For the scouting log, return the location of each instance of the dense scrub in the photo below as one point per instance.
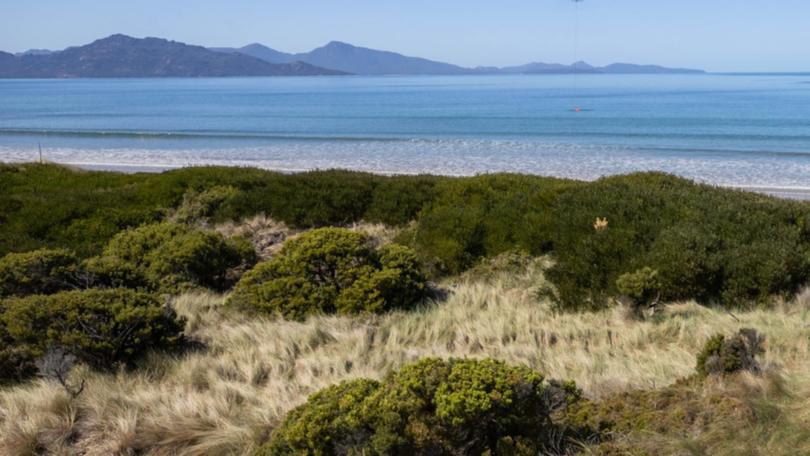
(484, 216)
(647, 236)
(54, 206)
(103, 328)
(41, 271)
(332, 270)
(170, 257)
(430, 407)
(704, 243)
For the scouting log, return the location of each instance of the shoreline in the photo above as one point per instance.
(785, 192)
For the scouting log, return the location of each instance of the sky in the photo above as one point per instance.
(716, 35)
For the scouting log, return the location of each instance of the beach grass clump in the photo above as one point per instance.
(432, 406)
(42, 271)
(740, 414)
(169, 258)
(332, 270)
(102, 328)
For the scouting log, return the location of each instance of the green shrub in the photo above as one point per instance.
(49, 205)
(397, 200)
(16, 362)
(199, 205)
(331, 270)
(42, 271)
(170, 257)
(103, 328)
(430, 407)
(484, 216)
(723, 355)
(642, 287)
(713, 245)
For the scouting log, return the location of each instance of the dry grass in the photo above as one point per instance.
(225, 399)
(268, 235)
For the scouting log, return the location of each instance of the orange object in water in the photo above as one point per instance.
(577, 109)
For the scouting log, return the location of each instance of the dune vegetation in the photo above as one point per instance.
(501, 314)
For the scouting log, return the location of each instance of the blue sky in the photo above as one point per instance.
(718, 35)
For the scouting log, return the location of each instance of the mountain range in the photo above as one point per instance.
(123, 56)
(359, 60)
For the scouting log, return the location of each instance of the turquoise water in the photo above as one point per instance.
(745, 130)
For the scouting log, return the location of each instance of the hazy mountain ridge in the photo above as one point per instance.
(360, 60)
(353, 59)
(121, 56)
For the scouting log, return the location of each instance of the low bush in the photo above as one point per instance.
(430, 407)
(103, 328)
(199, 205)
(43, 271)
(49, 205)
(483, 216)
(660, 421)
(331, 270)
(397, 200)
(16, 362)
(714, 245)
(642, 288)
(722, 355)
(170, 257)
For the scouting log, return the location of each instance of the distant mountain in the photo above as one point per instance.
(352, 59)
(537, 67)
(34, 52)
(359, 60)
(262, 52)
(582, 67)
(121, 56)
(629, 68)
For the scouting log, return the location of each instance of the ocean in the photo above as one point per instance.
(748, 131)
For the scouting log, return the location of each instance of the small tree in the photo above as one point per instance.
(642, 288)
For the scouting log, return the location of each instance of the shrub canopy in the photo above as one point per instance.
(483, 216)
(709, 244)
(103, 328)
(331, 270)
(41, 271)
(429, 407)
(170, 257)
(714, 245)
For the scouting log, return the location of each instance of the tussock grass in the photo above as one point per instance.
(226, 397)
